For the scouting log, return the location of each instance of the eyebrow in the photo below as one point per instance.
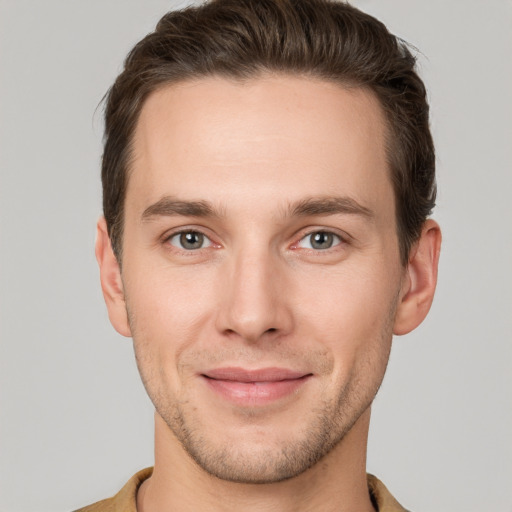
(330, 206)
(168, 206)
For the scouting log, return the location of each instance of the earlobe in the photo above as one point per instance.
(420, 280)
(111, 282)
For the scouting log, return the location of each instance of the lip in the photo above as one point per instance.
(254, 387)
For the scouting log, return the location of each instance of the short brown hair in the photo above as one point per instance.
(240, 39)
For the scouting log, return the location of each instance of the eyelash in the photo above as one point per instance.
(184, 232)
(332, 237)
(335, 238)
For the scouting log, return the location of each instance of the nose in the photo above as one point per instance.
(254, 303)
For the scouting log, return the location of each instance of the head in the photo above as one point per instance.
(240, 40)
(267, 174)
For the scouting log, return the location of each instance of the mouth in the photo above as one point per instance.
(254, 387)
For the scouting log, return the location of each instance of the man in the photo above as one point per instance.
(268, 173)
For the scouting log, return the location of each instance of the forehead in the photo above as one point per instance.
(213, 136)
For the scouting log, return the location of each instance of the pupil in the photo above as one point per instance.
(191, 240)
(322, 240)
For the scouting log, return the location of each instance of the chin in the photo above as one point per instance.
(263, 455)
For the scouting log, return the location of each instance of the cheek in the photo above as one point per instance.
(168, 310)
(351, 313)
(351, 297)
(168, 300)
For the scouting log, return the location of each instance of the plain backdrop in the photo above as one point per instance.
(75, 421)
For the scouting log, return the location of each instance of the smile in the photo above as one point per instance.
(254, 387)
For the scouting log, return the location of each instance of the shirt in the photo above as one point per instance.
(126, 499)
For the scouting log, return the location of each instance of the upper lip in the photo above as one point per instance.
(259, 375)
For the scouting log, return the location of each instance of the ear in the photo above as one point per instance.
(111, 282)
(420, 279)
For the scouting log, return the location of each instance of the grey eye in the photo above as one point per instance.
(190, 240)
(320, 240)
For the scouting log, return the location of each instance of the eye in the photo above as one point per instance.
(319, 241)
(190, 240)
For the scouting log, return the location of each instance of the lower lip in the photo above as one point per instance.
(255, 393)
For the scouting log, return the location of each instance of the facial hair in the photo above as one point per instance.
(326, 425)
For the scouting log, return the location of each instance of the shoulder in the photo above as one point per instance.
(125, 500)
(382, 499)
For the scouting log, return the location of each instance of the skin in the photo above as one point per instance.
(258, 170)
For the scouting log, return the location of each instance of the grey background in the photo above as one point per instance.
(75, 422)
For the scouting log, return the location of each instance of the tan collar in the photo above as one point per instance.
(126, 499)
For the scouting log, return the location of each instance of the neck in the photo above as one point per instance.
(336, 483)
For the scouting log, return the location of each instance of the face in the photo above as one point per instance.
(260, 270)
